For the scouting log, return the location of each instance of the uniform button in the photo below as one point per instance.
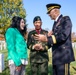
(55, 33)
(64, 47)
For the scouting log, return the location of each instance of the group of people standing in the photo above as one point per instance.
(38, 42)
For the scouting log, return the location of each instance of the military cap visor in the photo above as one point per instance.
(52, 6)
(37, 18)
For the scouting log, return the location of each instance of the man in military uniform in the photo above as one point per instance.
(60, 40)
(38, 50)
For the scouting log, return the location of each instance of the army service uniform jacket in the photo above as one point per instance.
(37, 56)
(60, 41)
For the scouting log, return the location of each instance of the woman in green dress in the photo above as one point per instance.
(16, 46)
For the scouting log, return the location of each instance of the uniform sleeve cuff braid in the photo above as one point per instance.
(54, 39)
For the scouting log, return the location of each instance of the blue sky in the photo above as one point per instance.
(38, 8)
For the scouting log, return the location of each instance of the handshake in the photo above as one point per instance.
(41, 40)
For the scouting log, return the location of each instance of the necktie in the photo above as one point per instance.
(54, 25)
(38, 31)
(55, 22)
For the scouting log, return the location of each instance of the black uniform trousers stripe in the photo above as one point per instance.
(61, 69)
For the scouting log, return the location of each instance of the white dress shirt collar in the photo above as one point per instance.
(57, 18)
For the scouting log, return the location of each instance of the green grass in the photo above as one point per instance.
(6, 70)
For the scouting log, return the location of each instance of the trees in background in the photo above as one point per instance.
(73, 37)
(8, 9)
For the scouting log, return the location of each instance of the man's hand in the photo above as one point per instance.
(18, 68)
(38, 47)
(50, 33)
(41, 37)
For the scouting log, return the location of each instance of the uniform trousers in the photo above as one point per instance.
(39, 68)
(13, 70)
(61, 69)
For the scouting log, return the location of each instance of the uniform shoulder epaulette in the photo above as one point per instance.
(45, 30)
(31, 31)
(65, 16)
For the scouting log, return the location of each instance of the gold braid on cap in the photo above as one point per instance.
(50, 8)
